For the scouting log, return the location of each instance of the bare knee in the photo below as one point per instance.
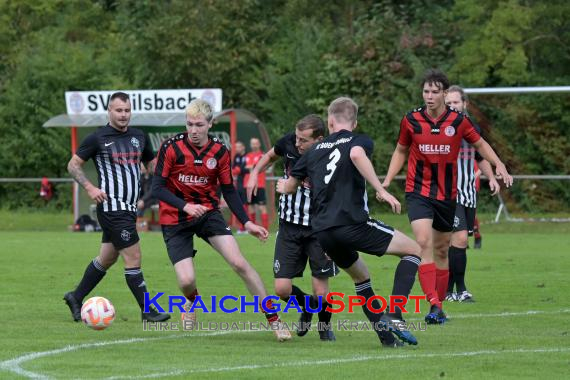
(283, 291)
(186, 281)
(107, 261)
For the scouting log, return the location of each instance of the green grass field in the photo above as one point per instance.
(518, 328)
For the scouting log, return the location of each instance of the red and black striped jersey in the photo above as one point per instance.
(192, 174)
(434, 147)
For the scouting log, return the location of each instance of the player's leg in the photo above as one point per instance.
(179, 242)
(93, 274)
(458, 250)
(227, 246)
(477, 234)
(262, 201)
(320, 290)
(135, 280)
(338, 243)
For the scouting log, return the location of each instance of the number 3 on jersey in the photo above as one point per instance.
(331, 166)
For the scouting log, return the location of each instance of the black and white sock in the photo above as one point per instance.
(364, 289)
(135, 280)
(404, 278)
(94, 273)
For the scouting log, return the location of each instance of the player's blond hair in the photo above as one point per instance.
(199, 107)
(344, 110)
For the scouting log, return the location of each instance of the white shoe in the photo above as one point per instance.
(281, 333)
(465, 296)
(188, 317)
(451, 297)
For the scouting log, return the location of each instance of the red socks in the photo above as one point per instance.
(265, 221)
(252, 217)
(442, 279)
(427, 276)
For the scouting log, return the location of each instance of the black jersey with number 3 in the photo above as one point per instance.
(339, 191)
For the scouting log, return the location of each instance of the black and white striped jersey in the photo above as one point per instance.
(117, 157)
(466, 190)
(293, 208)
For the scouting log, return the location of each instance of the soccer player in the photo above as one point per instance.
(190, 169)
(117, 151)
(239, 171)
(464, 221)
(296, 242)
(432, 134)
(338, 168)
(257, 202)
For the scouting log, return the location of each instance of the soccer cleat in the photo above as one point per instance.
(478, 243)
(281, 333)
(304, 323)
(451, 297)
(188, 317)
(327, 335)
(466, 297)
(436, 316)
(393, 344)
(154, 316)
(74, 306)
(397, 326)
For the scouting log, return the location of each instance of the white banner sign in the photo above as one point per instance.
(142, 101)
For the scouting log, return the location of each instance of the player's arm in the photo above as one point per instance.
(287, 186)
(75, 169)
(487, 170)
(489, 154)
(364, 166)
(263, 163)
(396, 163)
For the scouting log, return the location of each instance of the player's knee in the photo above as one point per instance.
(424, 241)
(186, 281)
(107, 262)
(283, 292)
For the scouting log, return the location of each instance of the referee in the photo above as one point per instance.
(117, 152)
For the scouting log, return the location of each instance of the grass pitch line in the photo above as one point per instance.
(302, 363)
(15, 365)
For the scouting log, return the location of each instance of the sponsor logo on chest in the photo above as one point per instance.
(192, 179)
(435, 148)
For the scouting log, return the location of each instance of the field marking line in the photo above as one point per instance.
(15, 365)
(302, 363)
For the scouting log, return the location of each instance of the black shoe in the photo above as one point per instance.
(304, 323)
(154, 316)
(478, 242)
(74, 306)
(327, 335)
(436, 316)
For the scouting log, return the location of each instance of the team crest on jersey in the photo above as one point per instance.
(135, 142)
(125, 235)
(211, 163)
(455, 222)
(276, 266)
(449, 131)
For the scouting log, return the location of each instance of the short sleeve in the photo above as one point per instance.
(280, 147)
(405, 137)
(88, 148)
(300, 170)
(365, 142)
(147, 154)
(470, 133)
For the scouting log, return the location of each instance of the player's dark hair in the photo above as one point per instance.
(344, 110)
(313, 122)
(121, 95)
(459, 89)
(437, 78)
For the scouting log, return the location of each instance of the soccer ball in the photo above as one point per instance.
(98, 313)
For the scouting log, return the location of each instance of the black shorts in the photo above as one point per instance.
(259, 198)
(119, 227)
(441, 212)
(464, 219)
(295, 245)
(179, 238)
(342, 243)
